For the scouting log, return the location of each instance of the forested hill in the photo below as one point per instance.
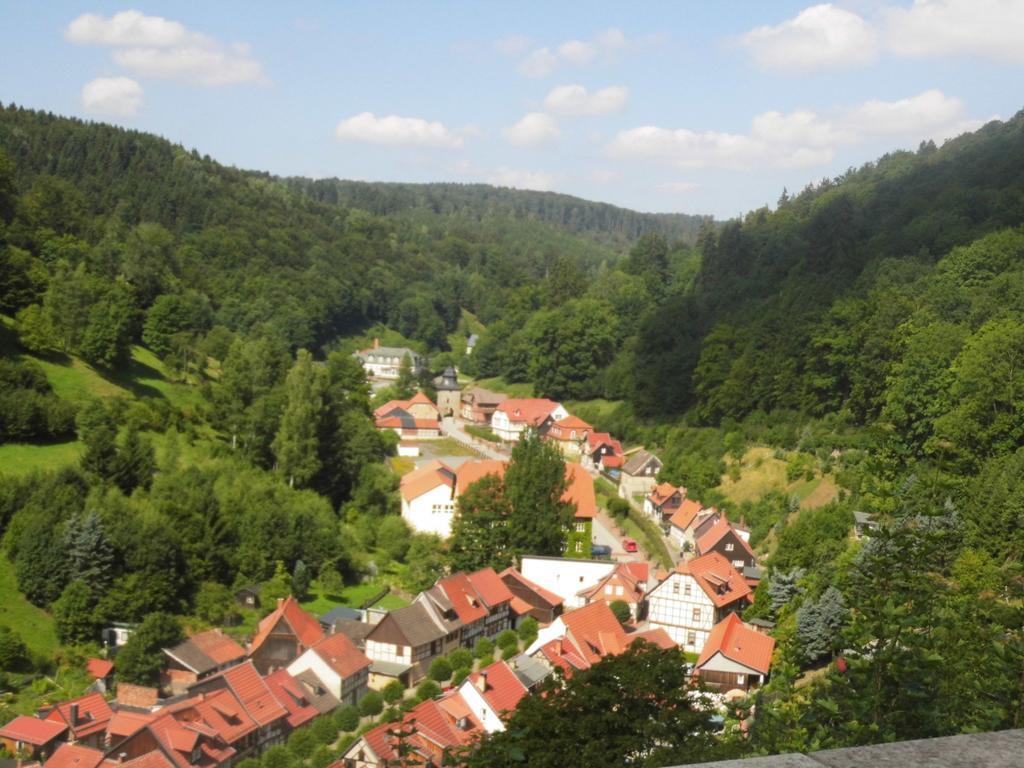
(482, 201)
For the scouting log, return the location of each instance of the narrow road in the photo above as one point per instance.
(450, 427)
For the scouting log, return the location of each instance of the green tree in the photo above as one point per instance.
(302, 743)
(481, 535)
(100, 459)
(371, 704)
(440, 669)
(528, 629)
(621, 610)
(460, 657)
(405, 387)
(296, 444)
(135, 464)
(393, 692)
(300, 581)
(278, 756)
(141, 659)
(347, 718)
(428, 689)
(111, 326)
(534, 485)
(482, 648)
(90, 557)
(73, 615)
(215, 604)
(14, 655)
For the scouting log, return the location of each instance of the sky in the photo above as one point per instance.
(693, 107)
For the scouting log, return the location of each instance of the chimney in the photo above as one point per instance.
(74, 715)
(376, 343)
(122, 756)
(280, 602)
(481, 681)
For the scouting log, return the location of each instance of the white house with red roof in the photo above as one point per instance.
(683, 522)
(343, 668)
(414, 419)
(567, 577)
(428, 498)
(516, 415)
(735, 656)
(283, 636)
(492, 694)
(568, 434)
(600, 451)
(626, 582)
(688, 602)
(663, 501)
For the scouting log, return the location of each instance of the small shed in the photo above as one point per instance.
(248, 597)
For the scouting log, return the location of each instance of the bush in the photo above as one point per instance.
(428, 689)
(460, 674)
(371, 704)
(277, 756)
(459, 658)
(391, 715)
(345, 743)
(323, 755)
(486, 661)
(394, 691)
(528, 629)
(440, 669)
(618, 508)
(483, 647)
(324, 730)
(347, 719)
(507, 638)
(302, 743)
(621, 610)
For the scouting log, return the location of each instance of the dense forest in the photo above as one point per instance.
(870, 327)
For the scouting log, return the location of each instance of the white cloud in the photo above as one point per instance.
(395, 130)
(797, 139)
(541, 62)
(985, 28)
(576, 100)
(680, 187)
(118, 96)
(533, 128)
(508, 177)
(513, 45)
(152, 46)
(821, 36)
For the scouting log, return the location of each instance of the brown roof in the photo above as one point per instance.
(637, 461)
(206, 651)
(411, 625)
(738, 642)
(706, 542)
(544, 595)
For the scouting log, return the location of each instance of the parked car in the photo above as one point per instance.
(600, 550)
(629, 544)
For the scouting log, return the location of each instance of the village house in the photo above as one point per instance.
(735, 656)
(601, 452)
(414, 419)
(343, 669)
(102, 673)
(297, 700)
(726, 541)
(683, 522)
(168, 741)
(403, 643)
(639, 475)
(85, 718)
(568, 434)
(530, 599)
(663, 501)
(283, 636)
(428, 498)
(514, 416)
(386, 362)
(200, 656)
(74, 756)
(626, 582)
(492, 694)
(565, 577)
(698, 594)
(479, 404)
(29, 736)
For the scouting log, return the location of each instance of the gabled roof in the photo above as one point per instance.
(125, 722)
(631, 578)
(341, 655)
(595, 631)
(98, 669)
(638, 461)
(206, 651)
(471, 471)
(706, 542)
(561, 653)
(32, 730)
(74, 756)
(739, 643)
(569, 423)
(250, 689)
(429, 721)
(465, 601)
(413, 622)
(683, 517)
(580, 491)
(306, 628)
(222, 712)
(292, 696)
(480, 396)
(662, 492)
(545, 596)
(431, 475)
(490, 587)
(719, 580)
(153, 759)
(657, 636)
(502, 689)
(596, 439)
(528, 410)
(93, 714)
(611, 461)
(399, 419)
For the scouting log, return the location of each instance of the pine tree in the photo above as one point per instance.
(73, 613)
(100, 457)
(783, 588)
(405, 387)
(136, 463)
(296, 444)
(90, 557)
(300, 580)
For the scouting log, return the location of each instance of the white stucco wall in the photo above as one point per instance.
(310, 660)
(431, 512)
(565, 576)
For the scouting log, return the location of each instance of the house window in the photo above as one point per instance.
(738, 563)
(688, 589)
(579, 546)
(581, 527)
(618, 589)
(691, 638)
(696, 614)
(728, 547)
(675, 587)
(607, 589)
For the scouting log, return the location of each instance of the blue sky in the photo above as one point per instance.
(695, 107)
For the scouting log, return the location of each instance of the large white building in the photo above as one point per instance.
(386, 362)
(566, 576)
(515, 416)
(342, 668)
(695, 597)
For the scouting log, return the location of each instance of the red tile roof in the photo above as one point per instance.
(32, 730)
(305, 627)
(562, 654)
(154, 759)
(93, 714)
(98, 669)
(125, 723)
(247, 685)
(595, 631)
(738, 642)
(657, 636)
(530, 410)
(218, 646)
(490, 587)
(620, 576)
(684, 516)
(471, 471)
(391, 405)
(580, 492)
(223, 713)
(721, 582)
(430, 722)
(464, 599)
(611, 461)
(706, 542)
(426, 478)
(290, 695)
(503, 689)
(341, 655)
(596, 439)
(74, 756)
(546, 595)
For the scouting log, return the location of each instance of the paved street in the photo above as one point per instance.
(453, 429)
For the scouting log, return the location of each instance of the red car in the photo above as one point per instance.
(629, 545)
